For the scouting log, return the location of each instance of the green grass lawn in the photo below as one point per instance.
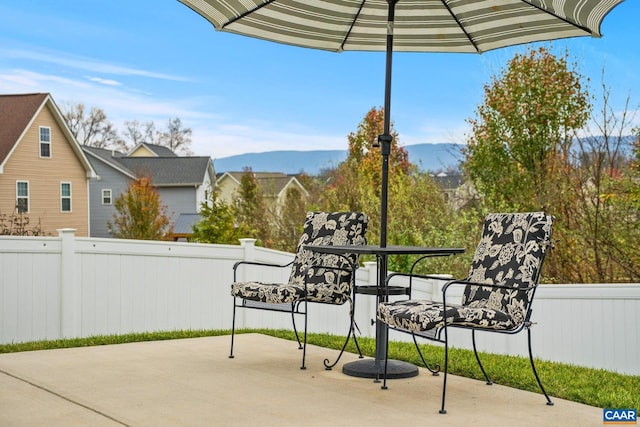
(594, 387)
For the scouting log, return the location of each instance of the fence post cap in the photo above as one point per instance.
(248, 242)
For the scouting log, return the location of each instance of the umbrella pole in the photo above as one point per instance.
(385, 149)
(385, 139)
(395, 368)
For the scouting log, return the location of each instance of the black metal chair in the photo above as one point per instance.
(498, 292)
(315, 277)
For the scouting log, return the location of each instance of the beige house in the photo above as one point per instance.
(274, 186)
(44, 173)
(144, 149)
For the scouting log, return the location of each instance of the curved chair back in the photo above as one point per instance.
(510, 253)
(329, 228)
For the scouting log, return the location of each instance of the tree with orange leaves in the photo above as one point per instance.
(524, 129)
(417, 211)
(356, 183)
(139, 214)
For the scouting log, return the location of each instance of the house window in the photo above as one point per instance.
(22, 196)
(106, 196)
(45, 142)
(65, 197)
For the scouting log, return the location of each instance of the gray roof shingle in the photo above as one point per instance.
(163, 171)
(168, 171)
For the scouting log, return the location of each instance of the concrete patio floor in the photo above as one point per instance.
(192, 382)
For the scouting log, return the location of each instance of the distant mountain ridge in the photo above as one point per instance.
(428, 157)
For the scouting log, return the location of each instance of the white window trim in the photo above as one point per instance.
(70, 197)
(23, 197)
(104, 190)
(41, 142)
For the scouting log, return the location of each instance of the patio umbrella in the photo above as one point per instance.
(464, 26)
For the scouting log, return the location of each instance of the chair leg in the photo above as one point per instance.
(233, 327)
(473, 340)
(355, 340)
(535, 372)
(293, 321)
(304, 347)
(327, 365)
(386, 361)
(435, 371)
(354, 325)
(446, 368)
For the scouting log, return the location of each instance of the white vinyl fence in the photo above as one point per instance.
(65, 286)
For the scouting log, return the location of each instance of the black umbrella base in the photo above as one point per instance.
(366, 368)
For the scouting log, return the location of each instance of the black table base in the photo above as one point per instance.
(374, 368)
(396, 369)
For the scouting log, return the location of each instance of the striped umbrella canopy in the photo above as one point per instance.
(465, 26)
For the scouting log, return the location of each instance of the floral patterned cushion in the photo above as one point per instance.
(420, 316)
(510, 253)
(322, 284)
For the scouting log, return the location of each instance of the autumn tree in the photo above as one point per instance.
(251, 209)
(418, 213)
(140, 214)
(604, 218)
(523, 130)
(218, 222)
(535, 144)
(288, 221)
(421, 216)
(356, 183)
(93, 128)
(518, 155)
(315, 186)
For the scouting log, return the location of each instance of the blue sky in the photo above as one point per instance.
(156, 60)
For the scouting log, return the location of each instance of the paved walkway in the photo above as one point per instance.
(192, 382)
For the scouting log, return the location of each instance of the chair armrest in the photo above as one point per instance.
(411, 276)
(419, 276)
(417, 261)
(481, 285)
(449, 283)
(476, 285)
(263, 264)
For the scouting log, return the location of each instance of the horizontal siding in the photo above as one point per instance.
(101, 214)
(45, 176)
(178, 200)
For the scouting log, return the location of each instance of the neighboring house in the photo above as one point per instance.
(457, 192)
(150, 150)
(43, 170)
(449, 183)
(273, 185)
(113, 179)
(182, 182)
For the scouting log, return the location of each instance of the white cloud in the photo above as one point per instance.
(82, 63)
(118, 102)
(107, 82)
(17, 81)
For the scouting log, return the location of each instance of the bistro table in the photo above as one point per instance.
(374, 368)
